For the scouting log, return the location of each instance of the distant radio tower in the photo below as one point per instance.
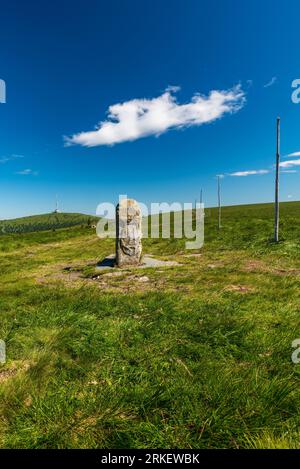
(56, 206)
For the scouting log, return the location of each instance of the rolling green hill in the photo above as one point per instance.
(48, 221)
(195, 355)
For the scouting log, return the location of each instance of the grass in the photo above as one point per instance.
(198, 356)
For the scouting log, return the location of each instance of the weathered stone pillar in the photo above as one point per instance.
(129, 233)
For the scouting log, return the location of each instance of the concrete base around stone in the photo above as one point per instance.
(147, 261)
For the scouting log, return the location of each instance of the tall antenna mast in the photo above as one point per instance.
(276, 221)
(56, 205)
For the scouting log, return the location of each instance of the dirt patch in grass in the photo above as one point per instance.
(217, 265)
(118, 282)
(11, 372)
(128, 280)
(5, 374)
(193, 255)
(69, 279)
(284, 272)
(259, 266)
(239, 289)
(113, 274)
(255, 265)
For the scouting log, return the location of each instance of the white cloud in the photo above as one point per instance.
(139, 118)
(290, 196)
(289, 171)
(249, 173)
(27, 172)
(271, 82)
(290, 163)
(173, 89)
(5, 159)
(292, 155)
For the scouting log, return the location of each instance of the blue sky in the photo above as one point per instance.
(66, 62)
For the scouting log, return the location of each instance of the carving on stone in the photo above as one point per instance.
(129, 233)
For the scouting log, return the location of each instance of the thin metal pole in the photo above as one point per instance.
(219, 202)
(201, 196)
(276, 221)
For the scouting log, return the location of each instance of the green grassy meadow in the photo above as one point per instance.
(49, 221)
(190, 356)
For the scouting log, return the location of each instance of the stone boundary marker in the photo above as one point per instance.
(128, 233)
(129, 240)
